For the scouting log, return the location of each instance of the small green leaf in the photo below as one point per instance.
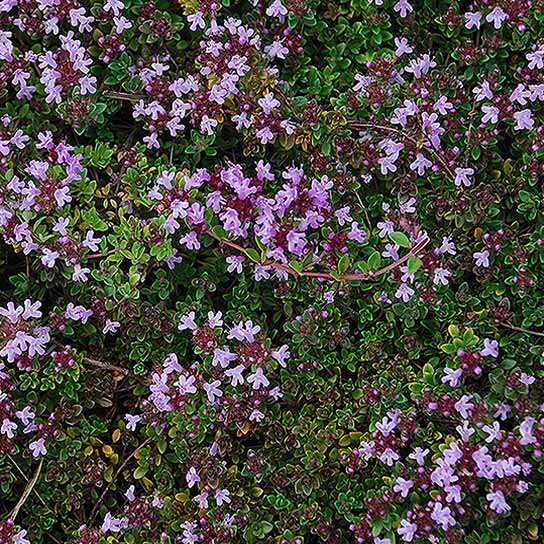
(413, 264)
(400, 239)
(343, 264)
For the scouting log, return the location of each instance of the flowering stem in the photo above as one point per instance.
(357, 124)
(327, 275)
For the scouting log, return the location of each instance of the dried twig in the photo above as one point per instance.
(519, 329)
(25, 477)
(28, 490)
(121, 370)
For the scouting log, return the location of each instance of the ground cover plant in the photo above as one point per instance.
(270, 271)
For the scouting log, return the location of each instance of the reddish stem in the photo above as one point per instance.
(327, 275)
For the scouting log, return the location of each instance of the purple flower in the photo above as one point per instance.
(192, 477)
(482, 258)
(407, 530)
(213, 391)
(452, 376)
(37, 448)
(442, 515)
(222, 496)
(258, 379)
(491, 348)
(497, 502)
(403, 487)
(462, 176)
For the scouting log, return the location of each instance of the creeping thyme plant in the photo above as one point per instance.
(270, 271)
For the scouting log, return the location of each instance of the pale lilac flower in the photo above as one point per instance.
(222, 496)
(80, 273)
(111, 326)
(132, 421)
(186, 385)
(493, 432)
(187, 322)
(19, 538)
(192, 477)
(464, 406)
(526, 431)
(281, 355)
(49, 257)
(490, 349)
(442, 515)
(407, 530)
(111, 524)
(524, 120)
(452, 376)
(258, 379)
(212, 390)
(403, 47)
(496, 16)
(8, 427)
(473, 20)
(482, 258)
(236, 375)
(491, 114)
(37, 448)
(497, 502)
(462, 176)
(403, 487)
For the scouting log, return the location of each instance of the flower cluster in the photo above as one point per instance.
(269, 271)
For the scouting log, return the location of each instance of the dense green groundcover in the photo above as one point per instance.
(271, 271)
